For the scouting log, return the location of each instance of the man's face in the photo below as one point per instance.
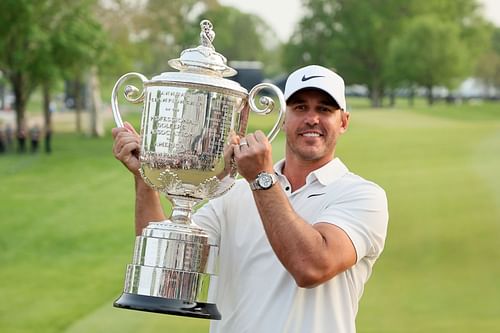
(312, 126)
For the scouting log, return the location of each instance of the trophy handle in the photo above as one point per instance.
(268, 104)
(128, 92)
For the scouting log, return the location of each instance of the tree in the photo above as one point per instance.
(117, 18)
(20, 41)
(42, 40)
(354, 37)
(474, 32)
(439, 45)
(158, 31)
(162, 29)
(488, 71)
(78, 44)
(238, 35)
(488, 66)
(429, 52)
(350, 36)
(82, 47)
(2, 91)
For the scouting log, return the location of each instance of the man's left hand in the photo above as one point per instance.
(253, 155)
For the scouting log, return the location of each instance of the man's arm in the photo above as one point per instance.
(147, 201)
(147, 206)
(312, 254)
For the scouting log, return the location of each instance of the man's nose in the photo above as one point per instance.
(311, 117)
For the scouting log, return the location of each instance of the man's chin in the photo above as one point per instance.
(311, 155)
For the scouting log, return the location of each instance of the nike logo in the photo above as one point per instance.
(315, 195)
(304, 78)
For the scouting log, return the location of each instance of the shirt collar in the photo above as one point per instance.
(327, 174)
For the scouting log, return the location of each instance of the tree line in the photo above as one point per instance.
(382, 44)
(389, 44)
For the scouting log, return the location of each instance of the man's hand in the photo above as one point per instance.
(253, 155)
(229, 163)
(127, 146)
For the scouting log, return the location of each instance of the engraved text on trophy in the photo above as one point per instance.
(184, 131)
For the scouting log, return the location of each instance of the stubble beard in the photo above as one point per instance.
(311, 153)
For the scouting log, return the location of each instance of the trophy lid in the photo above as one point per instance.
(202, 64)
(204, 56)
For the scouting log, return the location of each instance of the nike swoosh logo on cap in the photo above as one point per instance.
(304, 78)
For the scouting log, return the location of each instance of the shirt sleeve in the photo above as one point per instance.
(363, 215)
(208, 218)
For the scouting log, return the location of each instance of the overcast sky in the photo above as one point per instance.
(283, 15)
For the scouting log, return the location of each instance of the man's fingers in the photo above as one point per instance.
(250, 138)
(124, 152)
(129, 147)
(233, 138)
(131, 128)
(127, 128)
(125, 136)
(117, 130)
(260, 136)
(229, 150)
(236, 151)
(124, 141)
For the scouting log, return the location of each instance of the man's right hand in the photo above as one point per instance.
(127, 146)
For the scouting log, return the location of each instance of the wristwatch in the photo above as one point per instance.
(264, 181)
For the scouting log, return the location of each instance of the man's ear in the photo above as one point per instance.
(345, 121)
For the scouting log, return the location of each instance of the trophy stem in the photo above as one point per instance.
(182, 209)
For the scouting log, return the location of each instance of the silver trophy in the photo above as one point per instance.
(186, 121)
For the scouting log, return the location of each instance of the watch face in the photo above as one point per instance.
(265, 181)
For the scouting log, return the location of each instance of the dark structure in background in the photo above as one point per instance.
(280, 81)
(249, 73)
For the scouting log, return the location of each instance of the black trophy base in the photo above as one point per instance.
(168, 306)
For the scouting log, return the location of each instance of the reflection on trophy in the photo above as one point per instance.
(186, 120)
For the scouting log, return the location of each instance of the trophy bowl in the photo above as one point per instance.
(186, 122)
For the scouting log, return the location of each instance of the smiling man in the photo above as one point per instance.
(297, 239)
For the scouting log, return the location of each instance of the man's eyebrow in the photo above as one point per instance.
(328, 102)
(325, 102)
(296, 101)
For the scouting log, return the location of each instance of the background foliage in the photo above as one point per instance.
(372, 43)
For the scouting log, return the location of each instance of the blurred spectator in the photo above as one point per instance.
(35, 138)
(9, 137)
(3, 141)
(21, 139)
(48, 137)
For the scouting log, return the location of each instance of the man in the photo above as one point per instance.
(298, 239)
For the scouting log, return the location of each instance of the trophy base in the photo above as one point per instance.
(168, 306)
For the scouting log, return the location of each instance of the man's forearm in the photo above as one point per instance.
(311, 253)
(296, 243)
(147, 206)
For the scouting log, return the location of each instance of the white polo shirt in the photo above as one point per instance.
(256, 293)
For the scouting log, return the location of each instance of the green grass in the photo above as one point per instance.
(439, 272)
(66, 230)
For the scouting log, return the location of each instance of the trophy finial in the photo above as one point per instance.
(203, 58)
(207, 33)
